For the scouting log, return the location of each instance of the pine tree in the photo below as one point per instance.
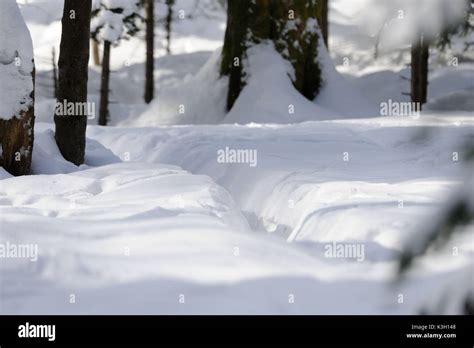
(17, 92)
(291, 25)
(73, 76)
(150, 50)
(112, 21)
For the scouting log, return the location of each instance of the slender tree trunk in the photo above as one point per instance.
(73, 75)
(150, 50)
(290, 24)
(169, 20)
(323, 20)
(234, 49)
(95, 53)
(55, 75)
(104, 89)
(419, 70)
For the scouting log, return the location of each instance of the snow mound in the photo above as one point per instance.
(462, 100)
(199, 99)
(339, 94)
(16, 62)
(47, 158)
(4, 174)
(269, 95)
(85, 220)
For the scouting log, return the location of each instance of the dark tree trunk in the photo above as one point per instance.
(55, 75)
(73, 75)
(150, 50)
(16, 140)
(250, 22)
(104, 87)
(419, 70)
(95, 53)
(169, 20)
(323, 20)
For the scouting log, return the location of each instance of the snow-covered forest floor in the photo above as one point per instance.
(155, 223)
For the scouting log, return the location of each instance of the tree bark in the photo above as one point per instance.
(291, 25)
(150, 50)
(104, 89)
(323, 20)
(95, 53)
(55, 75)
(419, 70)
(73, 75)
(169, 20)
(16, 141)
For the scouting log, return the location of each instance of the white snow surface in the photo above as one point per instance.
(16, 62)
(153, 217)
(230, 237)
(108, 23)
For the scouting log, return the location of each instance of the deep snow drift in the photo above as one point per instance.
(153, 233)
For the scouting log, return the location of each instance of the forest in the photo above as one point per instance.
(236, 157)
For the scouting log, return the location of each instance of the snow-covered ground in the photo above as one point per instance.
(126, 234)
(156, 222)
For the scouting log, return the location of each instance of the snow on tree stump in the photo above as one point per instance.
(16, 91)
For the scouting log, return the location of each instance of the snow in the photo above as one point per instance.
(108, 25)
(198, 99)
(153, 217)
(4, 174)
(272, 104)
(403, 21)
(229, 230)
(337, 88)
(16, 62)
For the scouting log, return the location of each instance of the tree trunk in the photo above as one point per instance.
(419, 70)
(323, 20)
(291, 25)
(169, 20)
(95, 53)
(73, 75)
(150, 50)
(16, 141)
(55, 75)
(104, 89)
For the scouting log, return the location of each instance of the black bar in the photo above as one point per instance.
(291, 331)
